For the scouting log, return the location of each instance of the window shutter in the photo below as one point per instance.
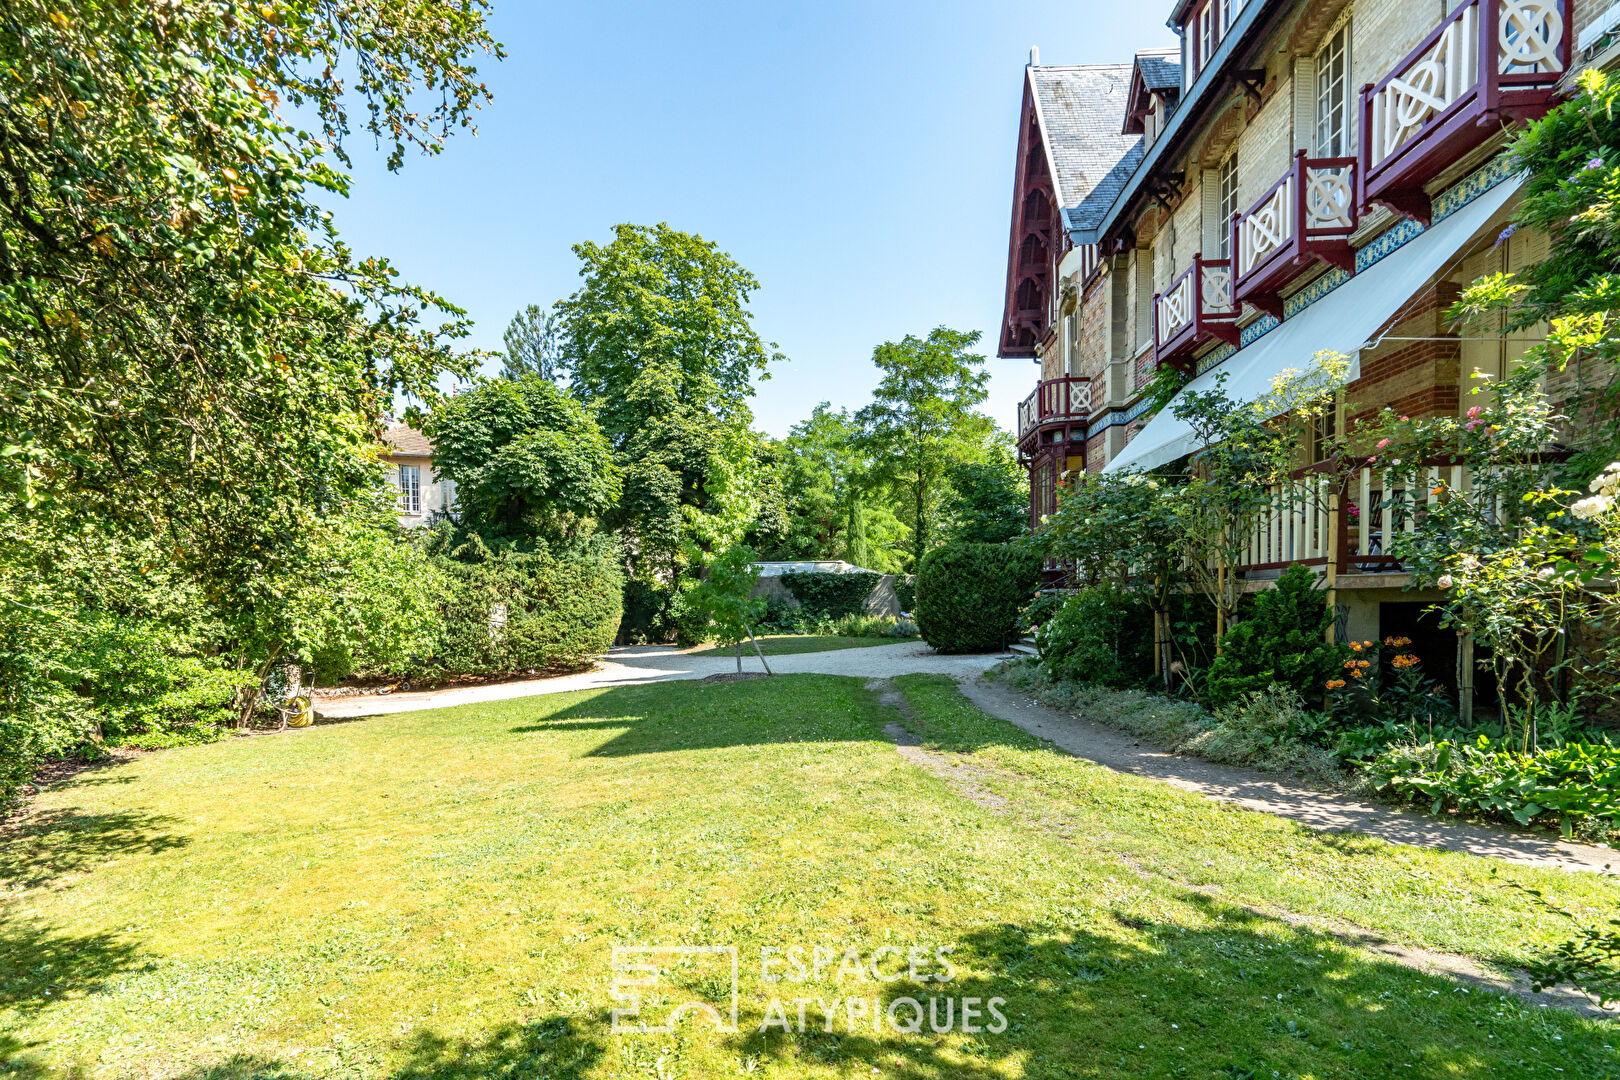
(1305, 104)
(1210, 198)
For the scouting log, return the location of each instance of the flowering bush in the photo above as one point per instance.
(1382, 685)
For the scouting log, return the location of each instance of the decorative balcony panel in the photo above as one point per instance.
(1489, 62)
(1198, 307)
(1055, 402)
(1306, 217)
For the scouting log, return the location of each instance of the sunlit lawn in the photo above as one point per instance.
(437, 894)
(783, 644)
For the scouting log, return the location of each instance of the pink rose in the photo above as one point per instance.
(1475, 411)
(1382, 443)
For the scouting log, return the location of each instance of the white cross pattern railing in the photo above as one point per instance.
(1175, 308)
(1527, 40)
(1267, 228)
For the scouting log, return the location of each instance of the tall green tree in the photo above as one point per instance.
(989, 499)
(187, 350)
(531, 345)
(660, 342)
(922, 422)
(528, 461)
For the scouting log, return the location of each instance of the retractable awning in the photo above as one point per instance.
(1341, 321)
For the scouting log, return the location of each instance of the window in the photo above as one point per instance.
(1207, 33)
(1228, 207)
(1332, 95)
(410, 489)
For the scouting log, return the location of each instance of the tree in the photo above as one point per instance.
(188, 353)
(1244, 449)
(531, 345)
(1125, 530)
(667, 307)
(660, 342)
(725, 596)
(528, 461)
(921, 421)
(989, 500)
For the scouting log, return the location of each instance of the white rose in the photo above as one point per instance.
(1445, 581)
(1591, 508)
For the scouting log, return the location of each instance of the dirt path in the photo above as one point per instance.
(970, 782)
(1273, 795)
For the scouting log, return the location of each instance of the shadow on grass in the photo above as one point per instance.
(684, 715)
(1111, 992)
(46, 844)
(556, 1048)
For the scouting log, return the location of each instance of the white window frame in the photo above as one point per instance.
(1333, 95)
(408, 478)
(1227, 174)
(1208, 33)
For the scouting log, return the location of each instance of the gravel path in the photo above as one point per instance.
(1271, 795)
(657, 663)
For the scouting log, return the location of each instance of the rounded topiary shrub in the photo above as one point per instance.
(530, 612)
(969, 595)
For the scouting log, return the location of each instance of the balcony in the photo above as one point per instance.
(1488, 63)
(1195, 309)
(1055, 402)
(1306, 217)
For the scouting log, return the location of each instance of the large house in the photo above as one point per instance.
(423, 496)
(1294, 176)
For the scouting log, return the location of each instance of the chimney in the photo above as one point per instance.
(1034, 56)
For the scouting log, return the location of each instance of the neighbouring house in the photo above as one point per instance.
(1294, 176)
(423, 497)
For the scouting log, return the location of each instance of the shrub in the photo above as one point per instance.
(905, 591)
(831, 596)
(1102, 636)
(516, 612)
(1571, 784)
(1039, 610)
(969, 595)
(1283, 641)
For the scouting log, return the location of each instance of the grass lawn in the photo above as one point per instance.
(783, 644)
(436, 895)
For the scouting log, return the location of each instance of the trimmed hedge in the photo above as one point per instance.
(905, 591)
(531, 612)
(831, 596)
(969, 595)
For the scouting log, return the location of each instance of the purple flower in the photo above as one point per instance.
(1506, 233)
(1595, 163)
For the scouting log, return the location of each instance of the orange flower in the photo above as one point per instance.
(1350, 664)
(1397, 642)
(1356, 674)
(1406, 660)
(1355, 646)
(1335, 684)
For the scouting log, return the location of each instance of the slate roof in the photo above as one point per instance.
(1089, 214)
(1161, 68)
(1080, 109)
(403, 439)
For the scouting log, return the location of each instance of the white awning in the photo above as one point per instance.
(1341, 321)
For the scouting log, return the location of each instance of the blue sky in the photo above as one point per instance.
(857, 157)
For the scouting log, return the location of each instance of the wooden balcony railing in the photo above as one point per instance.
(1375, 506)
(1308, 215)
(1488, 62)
(1196, 308)
(1054, 401)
